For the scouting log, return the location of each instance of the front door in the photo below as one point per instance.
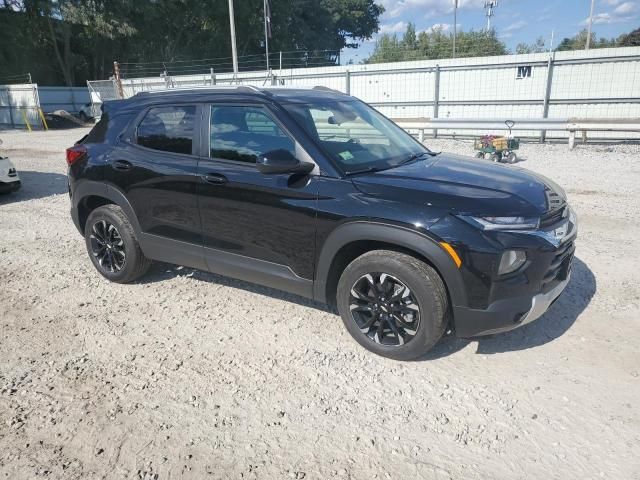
(256, 227)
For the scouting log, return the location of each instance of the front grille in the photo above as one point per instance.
(552, 217)
(561, 264)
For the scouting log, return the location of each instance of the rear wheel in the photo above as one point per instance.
(495, 157)
(393, 304)
(112, 245)
(511, 158)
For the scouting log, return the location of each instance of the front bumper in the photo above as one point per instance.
(505, 315)
(7, 187)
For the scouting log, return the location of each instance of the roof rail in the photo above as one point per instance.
(169, 91)
(327, 89)
(253, 88)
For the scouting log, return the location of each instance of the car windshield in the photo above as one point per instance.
(355, 135)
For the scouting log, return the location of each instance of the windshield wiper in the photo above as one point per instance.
(416, 156)
(365, 170)
(410, 159)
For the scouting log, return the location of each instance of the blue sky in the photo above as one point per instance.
(515, 20)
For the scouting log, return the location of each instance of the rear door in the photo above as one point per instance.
(156, 168)
(255, 227)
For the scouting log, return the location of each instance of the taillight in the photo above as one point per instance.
(75, 153)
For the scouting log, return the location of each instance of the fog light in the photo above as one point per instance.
(511, 261)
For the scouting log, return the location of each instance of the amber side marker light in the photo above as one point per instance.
(452, 253)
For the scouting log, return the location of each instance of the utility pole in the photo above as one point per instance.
(234, 51)
(267, 30)
(455, 26)
(593, 3)
(489, 5)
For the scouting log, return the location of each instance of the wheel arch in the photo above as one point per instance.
(90, 195)
(351, 240)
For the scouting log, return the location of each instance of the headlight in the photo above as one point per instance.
(503, 223)
(511, 261)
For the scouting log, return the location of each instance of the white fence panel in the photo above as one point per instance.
(17, 104)
(71, 99)
(599, 83)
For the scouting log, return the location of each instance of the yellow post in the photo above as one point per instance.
(24, 117)
(44, 120)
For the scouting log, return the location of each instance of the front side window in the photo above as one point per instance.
(355, 135)
(169, 129)
(242, 133)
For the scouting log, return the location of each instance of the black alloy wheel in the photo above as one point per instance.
(384, 309)
(107, 246)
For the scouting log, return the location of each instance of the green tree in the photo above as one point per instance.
(70, 41)
(579, 42)
(537, 47)
(410, 41)
(631, 39)
(434, 44)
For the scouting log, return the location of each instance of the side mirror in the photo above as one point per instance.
(282, 161)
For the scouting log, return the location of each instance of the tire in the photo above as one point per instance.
(83, 117)
(511, 158)
(479, 155)
(495, 157)
(426, 291)
(115, 252)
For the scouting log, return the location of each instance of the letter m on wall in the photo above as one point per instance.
(524, 71)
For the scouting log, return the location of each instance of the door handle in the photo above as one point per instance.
(214, 178)
(122, 165)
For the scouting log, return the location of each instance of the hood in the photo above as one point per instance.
(466, 185)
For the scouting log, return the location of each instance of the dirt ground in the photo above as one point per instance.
(190, 375)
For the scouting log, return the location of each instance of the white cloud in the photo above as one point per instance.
(515, 26)
(625, 8)
(624, 12)
(443, 27)
(398, 27)
(509, 30)
(428, 8)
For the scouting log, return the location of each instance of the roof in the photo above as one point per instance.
(280, 94)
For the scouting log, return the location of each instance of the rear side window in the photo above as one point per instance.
(243, 133)
(169, 129)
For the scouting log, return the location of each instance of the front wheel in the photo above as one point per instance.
(393, 304)
(112, 245)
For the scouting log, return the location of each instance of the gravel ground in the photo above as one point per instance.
(190, 375)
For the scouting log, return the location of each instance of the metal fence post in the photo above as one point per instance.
(547, 94)
(73, 100)
(281, 62)
(347, 82)
(436, 97)
(11, 106)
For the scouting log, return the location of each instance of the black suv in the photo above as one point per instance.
(314, 192)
